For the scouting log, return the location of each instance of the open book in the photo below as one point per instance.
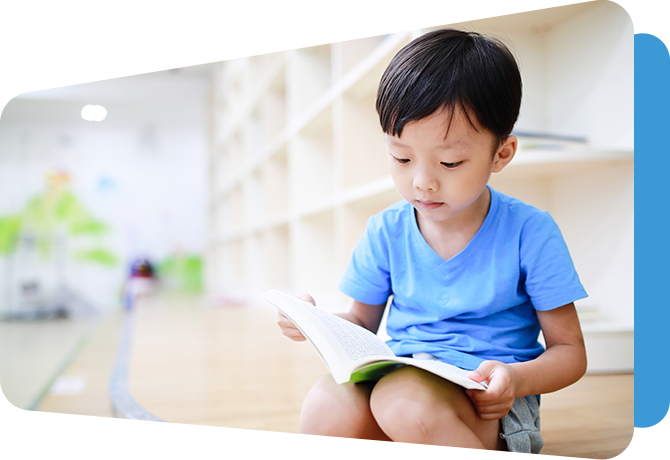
(350, 352)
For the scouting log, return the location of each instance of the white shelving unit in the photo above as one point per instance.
(298, 162)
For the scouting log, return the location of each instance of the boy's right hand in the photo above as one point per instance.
(287, 327)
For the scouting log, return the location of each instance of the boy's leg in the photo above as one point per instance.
(411, 405)
(330, 409)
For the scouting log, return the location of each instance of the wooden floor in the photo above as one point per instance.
(231, 367)
(32, 353)
(76, 425)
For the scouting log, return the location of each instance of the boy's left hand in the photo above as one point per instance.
(496, 401)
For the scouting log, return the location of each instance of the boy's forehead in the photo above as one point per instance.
(452, 125)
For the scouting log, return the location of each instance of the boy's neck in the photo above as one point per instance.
(448, 238)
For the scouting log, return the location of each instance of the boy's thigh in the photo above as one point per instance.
(410, 390)
(347, 395)
(339, 410)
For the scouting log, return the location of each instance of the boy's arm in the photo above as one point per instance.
(562, 363)
(365, 315)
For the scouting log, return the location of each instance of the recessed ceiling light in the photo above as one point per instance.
(5, 52)
(93, 113)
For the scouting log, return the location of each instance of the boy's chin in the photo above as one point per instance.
(433, 216)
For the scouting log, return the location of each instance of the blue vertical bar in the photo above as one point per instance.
(652, 230)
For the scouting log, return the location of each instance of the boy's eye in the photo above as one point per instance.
(452, 165)
(401, 160)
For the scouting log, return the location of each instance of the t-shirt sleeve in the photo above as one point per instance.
(367, 276)
(549, 274)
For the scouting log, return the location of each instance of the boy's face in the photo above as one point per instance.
(444, 177)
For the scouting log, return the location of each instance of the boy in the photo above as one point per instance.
(474, 274)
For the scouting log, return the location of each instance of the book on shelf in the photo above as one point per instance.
(352, 353)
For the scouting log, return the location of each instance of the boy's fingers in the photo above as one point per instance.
(307, 298)
(493, 412)
(496, 416)
(476, 376)
(484, 371)
(482, 398)
(293, 333)
(297, 336)
(288, 328)
(283, 321)
(497, 407)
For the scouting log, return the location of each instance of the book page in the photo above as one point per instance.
(337, 341)
(446, 371)
(344, 346)
(357, 342)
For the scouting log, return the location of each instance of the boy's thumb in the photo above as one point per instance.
(476, 376)
(482, 372)
(307, 298)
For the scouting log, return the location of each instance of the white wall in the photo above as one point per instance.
(142, 171)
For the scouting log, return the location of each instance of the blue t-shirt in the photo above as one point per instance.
(478, 305)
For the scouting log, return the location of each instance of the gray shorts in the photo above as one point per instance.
(521, 429)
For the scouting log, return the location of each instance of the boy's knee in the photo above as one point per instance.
(404, 405)
(335, 410)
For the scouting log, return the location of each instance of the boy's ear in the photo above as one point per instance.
(505, 153)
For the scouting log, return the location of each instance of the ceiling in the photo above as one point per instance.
(106, 51)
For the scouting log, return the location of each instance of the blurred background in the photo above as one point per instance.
(82, 200)
(132, 185)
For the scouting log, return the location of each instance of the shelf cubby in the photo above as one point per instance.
(233, 203)
(253, 265)
(229, 260)
(252, 137)
(254, 205)
(220, 174)
(313, 253)
(273, 110)
(275, 177)
(235, 155)
(355, 215)
(310, 162)
(364, 156)
(277, 256)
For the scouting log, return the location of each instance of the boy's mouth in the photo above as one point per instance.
(429, 205)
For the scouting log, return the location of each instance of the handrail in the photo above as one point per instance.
(157, 434)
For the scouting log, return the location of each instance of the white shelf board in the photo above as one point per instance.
(369, 190)
(278, 220)
(312, 114)
(275, 73)
(251, 165)
(328, 203)
(537, 156)
(604, 325)
(556, 162)
(373, 188)
(252, 100)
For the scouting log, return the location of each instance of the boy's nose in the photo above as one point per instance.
(426, 182)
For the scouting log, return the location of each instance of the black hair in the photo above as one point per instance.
(447, 67)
